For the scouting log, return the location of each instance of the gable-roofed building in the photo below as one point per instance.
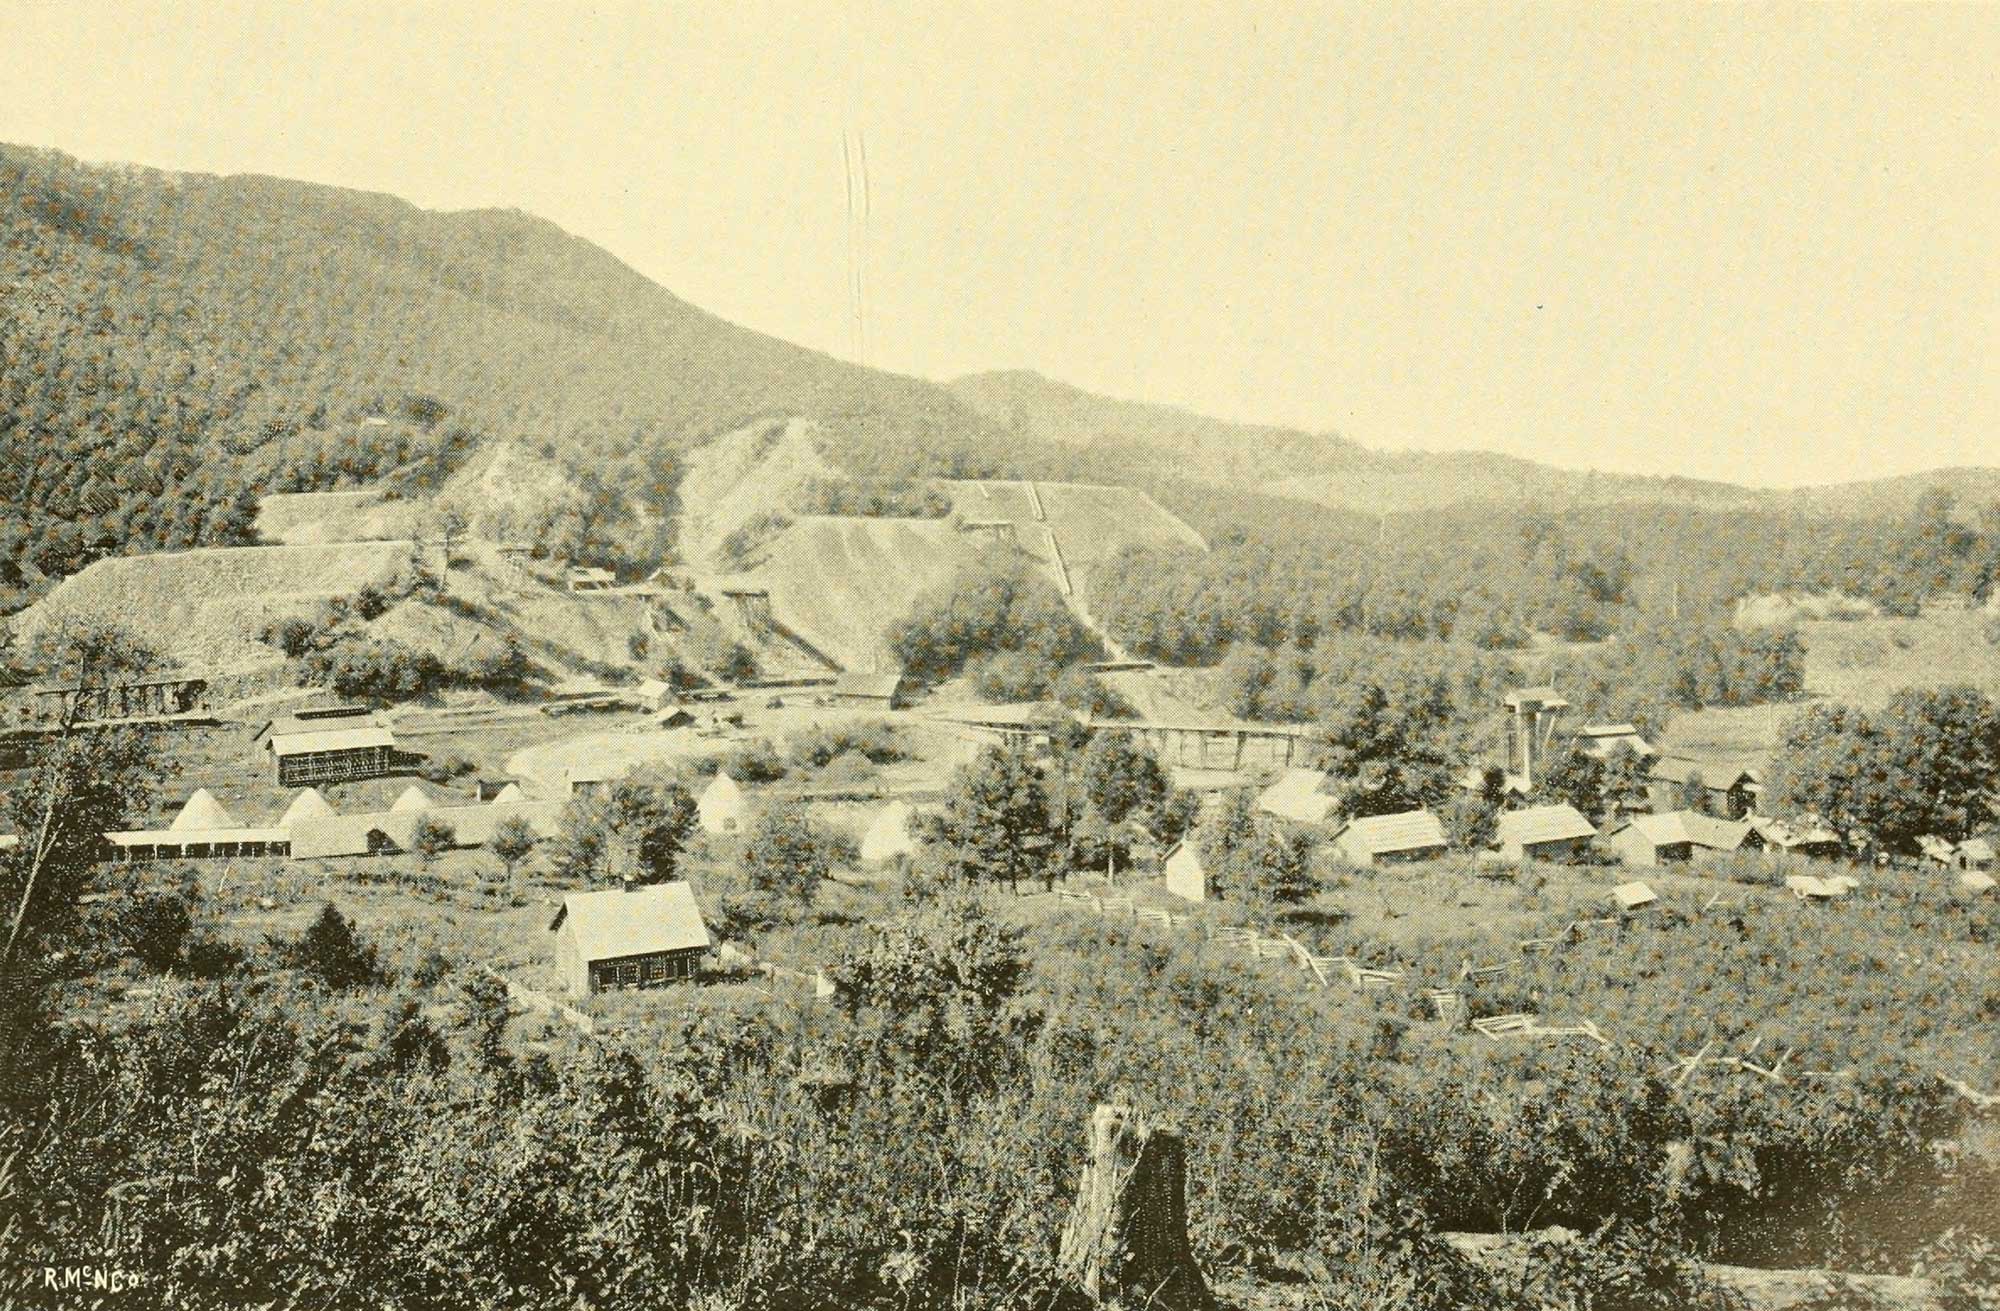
(1375, 839)
(1184, 874)
(884, 691)
(1975, 854)
(629, 937)
(1677, 836)
(1733, 790)
(1552, 832)
(333, 751)
(1299, 796)
(389, 832)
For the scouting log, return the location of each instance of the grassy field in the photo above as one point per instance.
(1858, 661)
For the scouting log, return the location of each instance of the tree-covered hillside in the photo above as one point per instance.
(172, 340)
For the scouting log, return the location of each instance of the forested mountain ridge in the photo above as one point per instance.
(173, 345)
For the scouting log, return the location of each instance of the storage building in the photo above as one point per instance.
(305, 756)
(1378, 839)
(629, 937)
(1558, 832)
(879, 691)
(1677, 836)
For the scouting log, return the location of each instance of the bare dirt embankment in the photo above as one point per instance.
(208, 608)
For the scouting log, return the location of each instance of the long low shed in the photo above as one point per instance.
(332, 755)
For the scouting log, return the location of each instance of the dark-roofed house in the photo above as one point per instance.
(1732, 790)
(336, 752)
(629, 937)
(1558, 832)
(1678, 835)
(883, 691)
(1411, 835)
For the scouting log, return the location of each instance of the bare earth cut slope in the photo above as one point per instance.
(209, 607)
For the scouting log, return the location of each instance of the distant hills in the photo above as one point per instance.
(172, 344)
(1328, 469)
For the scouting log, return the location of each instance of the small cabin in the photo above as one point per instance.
(1556, 833)
(1386, 839)
(885, 691)
(634, 936)
(1677, 837)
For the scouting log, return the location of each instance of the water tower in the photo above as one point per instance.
(1531, 722)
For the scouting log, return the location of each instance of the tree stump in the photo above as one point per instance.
(1126, 1244)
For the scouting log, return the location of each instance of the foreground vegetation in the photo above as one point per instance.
(307, 1120)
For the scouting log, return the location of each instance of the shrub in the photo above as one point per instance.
(331, 952)
(208, 956)
(154, 927)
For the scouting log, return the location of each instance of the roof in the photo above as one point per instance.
(1546, 697)
(202, 811)
(413, 798)
(654, 687)
(1972, 880)
(1603, 739)
(1631, 896)
(1556, 823)
(638, 921)
(1713, 774)
(1678, 826)
(1298, 795)
(1787, 834)
(308, 804)
(1935, 847)
(512, 792)
(359, 737)
(1977, 848)
(869, 685)
(1412, 830)
(1021, 713)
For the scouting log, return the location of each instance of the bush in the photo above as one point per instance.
(446, 768)
(876, 740)
(154, 927)
(205, 955)
(330, 952)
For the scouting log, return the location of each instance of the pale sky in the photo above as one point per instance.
(1755, 243)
